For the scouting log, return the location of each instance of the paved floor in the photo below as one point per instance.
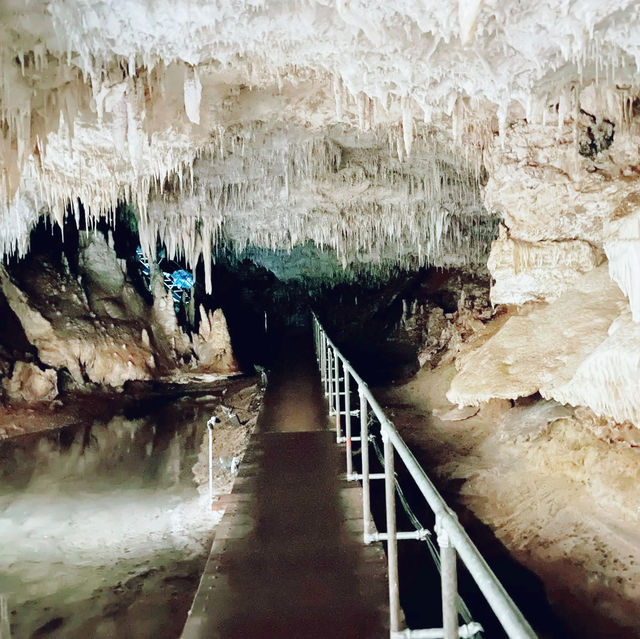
(288, 558)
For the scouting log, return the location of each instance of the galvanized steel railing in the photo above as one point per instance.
(5, 627)
(453, 540)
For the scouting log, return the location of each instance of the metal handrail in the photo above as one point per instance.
(452, 538)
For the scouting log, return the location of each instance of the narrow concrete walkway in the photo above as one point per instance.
(288, 558)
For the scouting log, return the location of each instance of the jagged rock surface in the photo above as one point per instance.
(98, 327)
(562, 210)
(525, 271)
(558, 349)
(101, 349)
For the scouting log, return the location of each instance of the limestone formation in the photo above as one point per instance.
(81, 344)
(212, 344)
(392, 133)
(539, 271)
(98, 327)
(29, 383)
(542, 350)
(607, 381)
(622, 245)
(103, 104)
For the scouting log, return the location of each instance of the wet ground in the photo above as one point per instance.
(103, 532)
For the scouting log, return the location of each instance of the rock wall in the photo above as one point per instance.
(562, 210)
(569, 201)
(94, 342)
(97, 327)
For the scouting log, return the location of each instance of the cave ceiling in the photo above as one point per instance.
(386, 131)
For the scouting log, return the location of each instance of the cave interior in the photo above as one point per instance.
(453, 188)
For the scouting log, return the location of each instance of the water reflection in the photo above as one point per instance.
(102, 530)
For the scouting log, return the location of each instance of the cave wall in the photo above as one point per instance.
(391, 133)
(78, 329)
(566, 257)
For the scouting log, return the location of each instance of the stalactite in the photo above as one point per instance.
(85, 120)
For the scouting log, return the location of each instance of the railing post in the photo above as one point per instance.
(347, 420)
(210, 425)
(449, 584)
(392, 543)
(5, 627)
(323, 360)
(336, 393)
(325, 351)
(330, 379)
(315, 339)
(364, 458)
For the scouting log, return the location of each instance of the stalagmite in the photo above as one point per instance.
(28, 383)
(212, 344)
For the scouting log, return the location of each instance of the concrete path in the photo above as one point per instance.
(288, 558)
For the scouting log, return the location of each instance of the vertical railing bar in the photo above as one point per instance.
(347, 420)
(336, 394)
(330, 380)
(323, 361)
(322, 351)
(325, 350)
(448, 583)
(364, 458)
(392, 543)
(210, 425)
(5, 626)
